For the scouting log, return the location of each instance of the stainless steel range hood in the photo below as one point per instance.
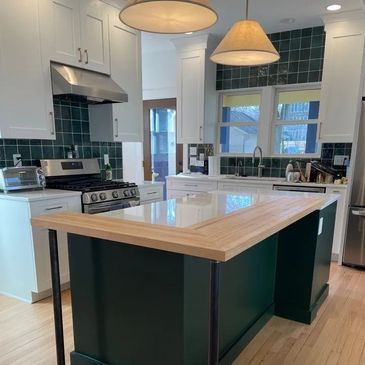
(96, 87)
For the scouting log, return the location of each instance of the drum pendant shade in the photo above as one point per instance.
(168, 16)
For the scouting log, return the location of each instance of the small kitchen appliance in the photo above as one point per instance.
(98, 195)
(21, 178)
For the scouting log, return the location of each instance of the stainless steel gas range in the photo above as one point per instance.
(84, 175)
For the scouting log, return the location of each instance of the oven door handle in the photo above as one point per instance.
(108, 206)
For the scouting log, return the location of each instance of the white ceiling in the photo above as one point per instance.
(307, 13)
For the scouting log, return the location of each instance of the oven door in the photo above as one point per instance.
(109, 206)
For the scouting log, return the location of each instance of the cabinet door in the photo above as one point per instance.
(94, 36)
(60, 25)
(190, 96)
(341, 85)
(126, 70)
(341, 212)
(26, 106)
(40, 239)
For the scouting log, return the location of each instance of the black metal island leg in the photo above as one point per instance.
(57, 300)
(213, 355)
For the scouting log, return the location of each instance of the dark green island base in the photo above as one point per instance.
(139, 306)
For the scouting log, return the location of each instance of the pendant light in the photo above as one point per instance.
(168, 16)
(245, 44)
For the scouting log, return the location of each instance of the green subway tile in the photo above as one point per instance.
(305, 42)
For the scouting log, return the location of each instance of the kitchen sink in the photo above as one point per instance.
(253, 178)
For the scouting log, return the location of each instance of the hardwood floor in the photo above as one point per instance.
(337, 336)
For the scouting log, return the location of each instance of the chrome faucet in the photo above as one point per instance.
(260, 165)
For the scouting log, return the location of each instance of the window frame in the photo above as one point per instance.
(274, 122)
(258, 124)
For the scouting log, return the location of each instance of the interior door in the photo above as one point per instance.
(94, 36)
(162, 154)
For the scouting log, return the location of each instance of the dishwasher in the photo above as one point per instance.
(302, 189)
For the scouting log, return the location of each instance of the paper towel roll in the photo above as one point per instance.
(214, 165)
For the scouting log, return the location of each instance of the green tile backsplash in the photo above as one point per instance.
(301, 61)
(274, 167)
(72, 128)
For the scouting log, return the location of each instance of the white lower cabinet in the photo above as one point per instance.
(24, 262)
(339, 233)
(180, 187)
(150, 193)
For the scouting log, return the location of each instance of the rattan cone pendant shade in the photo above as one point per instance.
(245, 44)
(168, 16)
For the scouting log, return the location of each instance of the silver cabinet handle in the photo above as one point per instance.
(152, 193)
(52, 123)
(195, 185)
(200, 133)
(54, 208)
(116, 127)
(359, 212)
(87, 56)
(80, 54)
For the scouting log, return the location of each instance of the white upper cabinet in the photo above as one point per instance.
(342, 79)
(76, 33)
(94, 35)
(26, 105)
(61, 27)
(196, 90)
(121, 122)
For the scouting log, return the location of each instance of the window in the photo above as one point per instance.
(294, 130)
(238, 129)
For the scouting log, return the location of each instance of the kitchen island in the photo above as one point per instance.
(192, 280)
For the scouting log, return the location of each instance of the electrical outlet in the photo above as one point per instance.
(106, 159)
(339, 160)
(17, 159)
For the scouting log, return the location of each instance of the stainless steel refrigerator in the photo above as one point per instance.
(354, 252)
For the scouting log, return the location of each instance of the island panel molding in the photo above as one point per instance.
(220, 238)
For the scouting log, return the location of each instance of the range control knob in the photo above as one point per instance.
(94, 197)
(115, 194)
(126, 193)
(102, 196)
(133, 192)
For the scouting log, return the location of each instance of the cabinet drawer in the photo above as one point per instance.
(193, 185)
(153, 193)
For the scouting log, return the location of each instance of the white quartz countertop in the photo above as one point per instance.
(251, 180)
(39, 195)
(145, 184)
(195, 209)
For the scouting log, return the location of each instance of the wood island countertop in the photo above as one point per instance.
(216, 226)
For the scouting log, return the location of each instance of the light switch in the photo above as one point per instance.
(339, 160)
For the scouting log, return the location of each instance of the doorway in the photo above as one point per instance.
(162, 154)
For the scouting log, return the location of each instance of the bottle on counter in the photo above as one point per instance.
(108, 172)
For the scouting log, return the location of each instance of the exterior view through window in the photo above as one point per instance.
(240, 123)
(296, 122)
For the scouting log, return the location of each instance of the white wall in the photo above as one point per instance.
(159, 74)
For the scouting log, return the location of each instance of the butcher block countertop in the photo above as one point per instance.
(216, 226)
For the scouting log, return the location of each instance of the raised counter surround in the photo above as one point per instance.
(230, 230)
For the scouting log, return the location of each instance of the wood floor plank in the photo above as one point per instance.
(336, 337)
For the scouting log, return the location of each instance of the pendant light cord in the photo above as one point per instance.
(246, 9)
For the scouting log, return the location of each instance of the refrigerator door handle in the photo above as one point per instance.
(358, 212)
